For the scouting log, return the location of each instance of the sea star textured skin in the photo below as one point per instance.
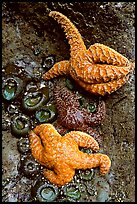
(61, 155)
(72, 117)
(99, 70)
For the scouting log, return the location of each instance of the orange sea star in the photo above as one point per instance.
(61, 155)
(99, 70)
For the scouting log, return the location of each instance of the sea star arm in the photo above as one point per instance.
(60, 68)
(101, 73)
(72, 34)
(47, 132)
(39, 128)
(36, 147)
(94, 160)
(93, 133)
(83, 139)
(116, 65)
(104, 88)
(61, 130)
(89, 69)
(102, 53)
(61, 175)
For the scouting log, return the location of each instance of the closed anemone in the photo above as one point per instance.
(34, 100)
(12, 109)
(48, 62)
(36, 51)
(23, 145)
(20, 125)
(47, 113)
(44, 192)
(43, 115)
(72, 191)
(11, 88)
(86, 174)
(29, 167)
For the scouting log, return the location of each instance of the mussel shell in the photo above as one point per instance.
(46, 114)
(44, 192)
(34, 100)
(20, 125)
(11, 87)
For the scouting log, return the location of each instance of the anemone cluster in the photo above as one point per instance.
(25, 104)
(28, 104)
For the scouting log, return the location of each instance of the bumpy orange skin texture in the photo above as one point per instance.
(61, 155)
(99, 70)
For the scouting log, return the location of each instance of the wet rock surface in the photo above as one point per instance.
(29, 36)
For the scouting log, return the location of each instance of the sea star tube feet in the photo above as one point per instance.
(61, 155)
(100, 70)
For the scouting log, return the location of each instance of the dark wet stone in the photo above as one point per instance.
(26, 24)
